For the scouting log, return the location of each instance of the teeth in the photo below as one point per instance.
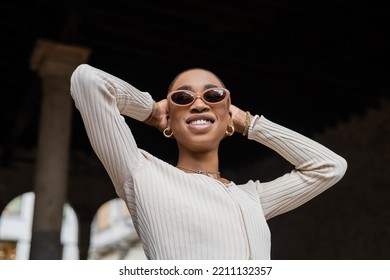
(200, 122)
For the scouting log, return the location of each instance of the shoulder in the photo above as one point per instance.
(153, 161)
(250, 188)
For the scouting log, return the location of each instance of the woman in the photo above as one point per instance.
(189, 211)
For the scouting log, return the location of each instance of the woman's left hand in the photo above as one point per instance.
(238, 117)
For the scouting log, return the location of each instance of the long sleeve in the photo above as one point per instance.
(102, 99)
(316, 168)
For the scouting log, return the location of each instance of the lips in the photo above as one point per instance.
(200, 123)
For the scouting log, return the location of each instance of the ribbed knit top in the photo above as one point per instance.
(181, 215)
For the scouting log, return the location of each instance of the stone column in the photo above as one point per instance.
(55, 63)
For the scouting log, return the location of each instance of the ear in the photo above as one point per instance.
(231, 119)
(168, 118)
(230, 112)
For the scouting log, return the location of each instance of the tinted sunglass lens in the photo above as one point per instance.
(182, 98)
(214, 95)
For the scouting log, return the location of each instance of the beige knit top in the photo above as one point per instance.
(182, 215)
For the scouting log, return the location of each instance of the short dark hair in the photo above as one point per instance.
(189, 69)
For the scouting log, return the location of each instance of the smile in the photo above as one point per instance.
(200, 119)
(200, 122)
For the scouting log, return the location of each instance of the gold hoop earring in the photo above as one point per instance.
(166, 133)
(230, 133)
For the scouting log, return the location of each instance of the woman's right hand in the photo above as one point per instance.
(159, 115)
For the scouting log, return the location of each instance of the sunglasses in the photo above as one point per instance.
(209, 96)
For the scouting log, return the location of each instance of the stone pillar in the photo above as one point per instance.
(85, 220)
(55, 63)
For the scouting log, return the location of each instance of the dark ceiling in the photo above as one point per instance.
(305, 64)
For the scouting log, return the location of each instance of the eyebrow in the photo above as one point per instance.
(206, 86)
(184, 88)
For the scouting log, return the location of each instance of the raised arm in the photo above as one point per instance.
(316, 167)
(102, 99)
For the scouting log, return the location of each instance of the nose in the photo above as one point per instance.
(199, 105)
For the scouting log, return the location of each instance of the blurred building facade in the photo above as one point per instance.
(112, 232)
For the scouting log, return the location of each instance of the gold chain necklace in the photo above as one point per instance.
(199, 171)
(225, 182)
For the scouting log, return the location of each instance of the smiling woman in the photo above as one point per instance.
(190, 211)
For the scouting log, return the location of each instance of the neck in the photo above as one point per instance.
(204, 163)
(199, 161)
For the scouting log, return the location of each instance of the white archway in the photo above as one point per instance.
(16, 225)
(113, 235)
